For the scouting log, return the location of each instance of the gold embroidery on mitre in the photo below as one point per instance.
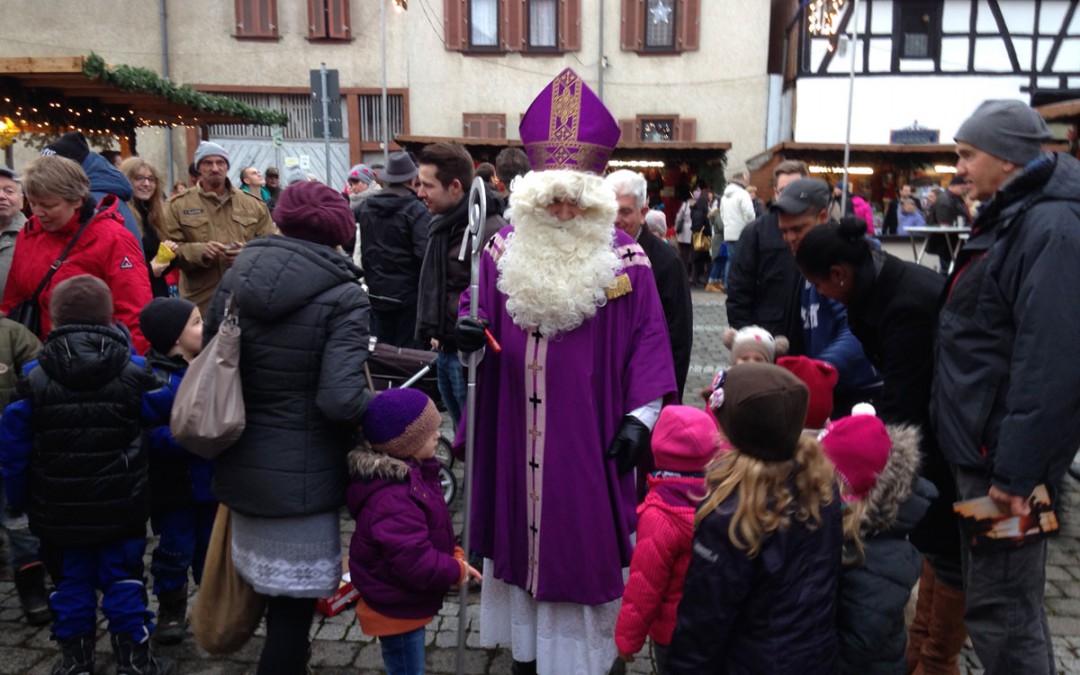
(620, 288)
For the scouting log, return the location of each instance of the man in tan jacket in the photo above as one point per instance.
(211, 223)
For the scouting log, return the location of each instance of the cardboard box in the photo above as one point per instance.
(345, 595)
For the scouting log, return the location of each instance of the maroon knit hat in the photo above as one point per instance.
(311, 211)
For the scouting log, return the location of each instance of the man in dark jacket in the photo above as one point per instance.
(763, 280)
(446, 172)
(1007, 391)
(73, 458)
(105, 178)
(671, 282)
(393, 237)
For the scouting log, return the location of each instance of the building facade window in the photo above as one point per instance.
(329, 20)
(917, 33)
(543, 24)
(658, 129)
(483, 125)
(501, 26)
(661, 26)
(256, 19)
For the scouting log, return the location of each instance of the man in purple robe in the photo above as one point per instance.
(564, 410)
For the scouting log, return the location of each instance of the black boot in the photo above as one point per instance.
(523, 668)
(134, 658)
(172, 614)
(76, 655)
(30, 583)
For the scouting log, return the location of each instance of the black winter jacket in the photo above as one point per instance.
(1006, 395)
(674, 289)
(393, 237)
(304, 323)
(88, 469)
(775, 613)
(893, 312)
(763, 283)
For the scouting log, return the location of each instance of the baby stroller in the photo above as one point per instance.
(388, 367)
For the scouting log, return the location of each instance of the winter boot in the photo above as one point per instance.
(523, 668)
(76, 655)
(134, 658)
(946, 633)
(920, 625)
(172, 614)
(30, 583)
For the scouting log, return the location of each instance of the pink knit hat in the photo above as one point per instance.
(858, 447)
(684, 439)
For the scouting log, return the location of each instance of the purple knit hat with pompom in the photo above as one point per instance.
(399, 421)
(311, 211)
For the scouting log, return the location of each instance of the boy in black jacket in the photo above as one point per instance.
(73, 458)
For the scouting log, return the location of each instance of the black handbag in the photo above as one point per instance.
(28, 312)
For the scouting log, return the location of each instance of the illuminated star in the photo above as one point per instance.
(660, 12)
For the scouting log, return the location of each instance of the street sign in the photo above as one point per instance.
(278, 136)
(333, 95)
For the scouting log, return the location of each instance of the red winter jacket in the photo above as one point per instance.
(665, 536)
(106, 249)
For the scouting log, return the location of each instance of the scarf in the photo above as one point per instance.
(431, 298)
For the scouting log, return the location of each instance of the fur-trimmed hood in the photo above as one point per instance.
(899, 498)
(366, 464)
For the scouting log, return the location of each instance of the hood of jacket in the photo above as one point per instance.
(371, 471)
(732, 188)
(893, 504)
(274, 276)
(104, 177)
(85, 357)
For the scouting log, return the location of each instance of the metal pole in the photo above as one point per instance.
(326, 123)
(477, 216)
(165, 74)
(600, 55)
(385, 104)
(850, 103)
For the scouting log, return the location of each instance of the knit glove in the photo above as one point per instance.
(630, 444)
(470, 334)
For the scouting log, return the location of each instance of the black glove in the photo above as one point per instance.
(469, 334)
(630, 444)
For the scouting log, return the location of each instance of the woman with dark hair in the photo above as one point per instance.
(304, 340)
(892, 309)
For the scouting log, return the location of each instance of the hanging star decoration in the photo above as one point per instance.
(660, 12)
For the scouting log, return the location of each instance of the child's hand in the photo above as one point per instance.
(474, 573)
(626, 658)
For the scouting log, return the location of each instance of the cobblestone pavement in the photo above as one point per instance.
(340, 647)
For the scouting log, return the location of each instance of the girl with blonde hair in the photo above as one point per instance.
(761, 588)
(149, 194)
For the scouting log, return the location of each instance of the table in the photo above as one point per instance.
(935, 230)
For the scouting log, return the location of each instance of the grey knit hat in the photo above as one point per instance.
(1007, 129)
(209, 149)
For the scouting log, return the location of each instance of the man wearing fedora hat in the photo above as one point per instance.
(1007, 381)
(393, 226)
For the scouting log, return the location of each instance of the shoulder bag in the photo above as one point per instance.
(28, 312)
(208, 414)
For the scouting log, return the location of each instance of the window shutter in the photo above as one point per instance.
(513, 15)
(495, 126)
(688, 30)
(256, 18)
(628, 131)
(316, 19)
(456, 24)
(633, 25)
(570, 25)
(340, 28)
(687, 129)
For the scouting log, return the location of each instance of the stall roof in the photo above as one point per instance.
(47, 94)
(637, 149)
(1064, 111)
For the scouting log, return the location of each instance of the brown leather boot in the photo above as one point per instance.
(945, 635)
(920, 625)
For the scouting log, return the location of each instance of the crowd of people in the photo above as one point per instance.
(778, 527)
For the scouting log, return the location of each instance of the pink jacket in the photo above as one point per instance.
(658, 568)
(864, 211)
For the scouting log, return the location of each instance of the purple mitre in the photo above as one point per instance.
(568, 127)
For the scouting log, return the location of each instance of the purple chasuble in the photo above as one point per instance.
(548, 507)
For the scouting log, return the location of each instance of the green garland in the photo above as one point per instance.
(130, 78)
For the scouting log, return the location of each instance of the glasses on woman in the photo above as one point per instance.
(145, 179)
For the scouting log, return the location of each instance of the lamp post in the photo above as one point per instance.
(403, 5)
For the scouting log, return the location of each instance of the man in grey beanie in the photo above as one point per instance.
(1006, 389)
(211, 223)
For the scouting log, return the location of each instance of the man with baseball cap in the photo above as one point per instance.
(1007, 382)
(211, 223)
(825, 336)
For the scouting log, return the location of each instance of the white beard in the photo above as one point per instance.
(555, 273)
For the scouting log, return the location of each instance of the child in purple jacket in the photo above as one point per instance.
(402, 558)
